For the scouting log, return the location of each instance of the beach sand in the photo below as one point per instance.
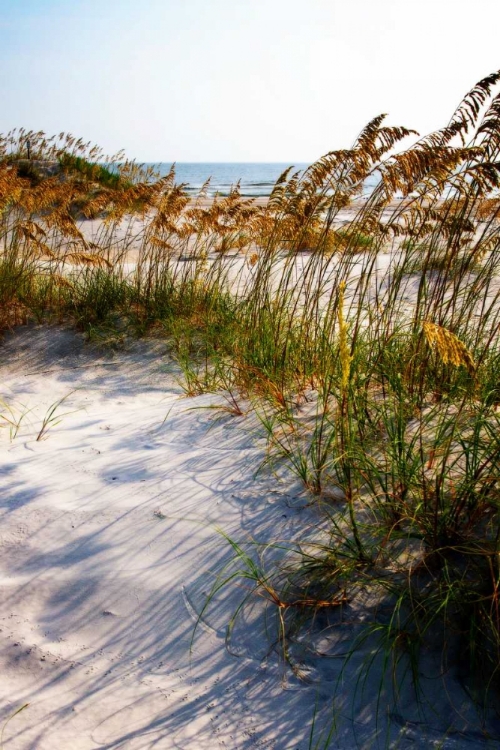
(108, 546)
(127, 234)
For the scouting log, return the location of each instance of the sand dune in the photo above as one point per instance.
(108, 546)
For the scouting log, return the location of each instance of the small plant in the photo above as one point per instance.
(13, 419)
(51, 418)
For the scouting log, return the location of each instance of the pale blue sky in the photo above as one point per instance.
(238, 80)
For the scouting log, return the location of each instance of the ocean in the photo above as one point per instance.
(256, 179)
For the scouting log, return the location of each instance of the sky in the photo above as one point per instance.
(238, 80)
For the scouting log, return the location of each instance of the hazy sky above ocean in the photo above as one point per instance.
(238, 80)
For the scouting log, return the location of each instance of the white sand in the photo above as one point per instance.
(107, 540)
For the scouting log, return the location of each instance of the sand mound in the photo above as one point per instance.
(108, 544)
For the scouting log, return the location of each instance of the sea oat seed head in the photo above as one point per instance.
(449, 347)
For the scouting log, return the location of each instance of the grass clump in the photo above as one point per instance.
(91, 172)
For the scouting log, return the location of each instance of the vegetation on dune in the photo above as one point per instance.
(369, 350)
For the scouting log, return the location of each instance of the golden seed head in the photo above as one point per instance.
(345, 353)
(449, 347)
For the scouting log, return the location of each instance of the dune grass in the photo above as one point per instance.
(369, 350)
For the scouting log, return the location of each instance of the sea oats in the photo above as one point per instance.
(345, 353)
(450, 348)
